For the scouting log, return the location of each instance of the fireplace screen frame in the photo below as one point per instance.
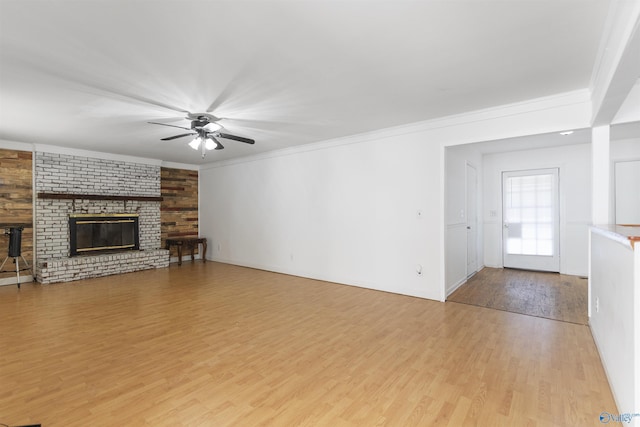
(94, 247)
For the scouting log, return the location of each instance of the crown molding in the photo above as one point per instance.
(174, 165)
(577, 97)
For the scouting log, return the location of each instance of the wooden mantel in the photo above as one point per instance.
(68, 196)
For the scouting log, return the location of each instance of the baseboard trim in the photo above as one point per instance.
(7, 281)
(456, 285)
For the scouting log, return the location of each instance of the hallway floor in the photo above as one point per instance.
(549, 295)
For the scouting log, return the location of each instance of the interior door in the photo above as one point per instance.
(472, 220)
(531, 220)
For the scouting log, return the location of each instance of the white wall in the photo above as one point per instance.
(574, 163)
(364, 210)
(621, 150)
(625, 149)
(614, 280)
(457, 159)
(627, 192)
(361, 214)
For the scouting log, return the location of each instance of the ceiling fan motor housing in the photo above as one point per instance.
(196, 124)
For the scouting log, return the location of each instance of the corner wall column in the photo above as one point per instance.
(600, 175)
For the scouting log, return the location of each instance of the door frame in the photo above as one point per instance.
(473, 242)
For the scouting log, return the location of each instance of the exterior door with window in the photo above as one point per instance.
(531, 220)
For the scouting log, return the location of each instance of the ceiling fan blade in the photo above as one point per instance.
(236, 138)
(173, 126)
(177, 136)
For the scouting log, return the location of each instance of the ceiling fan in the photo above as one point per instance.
(207, 131)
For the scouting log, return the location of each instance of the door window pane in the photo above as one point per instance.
(529, 214)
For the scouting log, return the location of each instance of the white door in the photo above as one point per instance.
(472, 220)
(531, 220)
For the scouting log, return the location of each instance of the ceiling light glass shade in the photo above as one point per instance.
(195, 144)
(212, 127)
(210, 144)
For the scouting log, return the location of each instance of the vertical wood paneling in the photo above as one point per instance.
(16, 202)
(179, 208)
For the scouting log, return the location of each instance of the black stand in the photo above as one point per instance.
(15, 252)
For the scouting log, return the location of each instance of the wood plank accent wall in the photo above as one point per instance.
(16, 202)
(179, 207)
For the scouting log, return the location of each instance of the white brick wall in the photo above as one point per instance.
(59, 173)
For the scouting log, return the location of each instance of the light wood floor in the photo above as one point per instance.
(218, 345)
(549, 295)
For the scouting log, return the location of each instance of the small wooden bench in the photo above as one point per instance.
(189, 243)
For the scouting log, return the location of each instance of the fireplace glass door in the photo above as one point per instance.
(91, 234)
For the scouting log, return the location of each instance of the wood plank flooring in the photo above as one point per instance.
(209, 344)
(549, 295)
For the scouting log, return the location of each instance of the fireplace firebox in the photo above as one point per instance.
(95, 233)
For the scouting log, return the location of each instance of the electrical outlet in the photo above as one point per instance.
(597, 305)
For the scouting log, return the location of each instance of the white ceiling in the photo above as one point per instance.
(91, 74)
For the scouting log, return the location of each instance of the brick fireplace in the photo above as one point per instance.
(73, 186)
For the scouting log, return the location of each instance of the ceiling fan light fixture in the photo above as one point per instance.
(210, 144)
(195, 144)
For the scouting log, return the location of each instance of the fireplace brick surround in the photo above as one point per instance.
(68, 174)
